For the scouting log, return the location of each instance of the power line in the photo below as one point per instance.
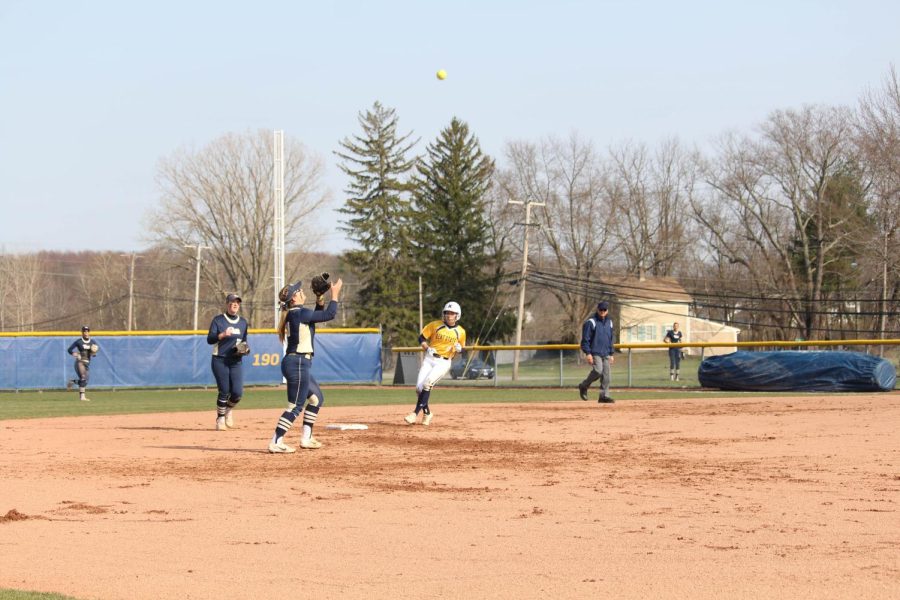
(730, 294)
(594, 290)
(70, 316)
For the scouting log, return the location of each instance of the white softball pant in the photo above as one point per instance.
(433, 370)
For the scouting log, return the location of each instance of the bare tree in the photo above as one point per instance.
(6, 285)
(577, 219)
(879, 140)
(104, 281)
(651, 191)
(20, 286)
(221, 196)
(785, 206)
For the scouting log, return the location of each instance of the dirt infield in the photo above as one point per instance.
(736, 498)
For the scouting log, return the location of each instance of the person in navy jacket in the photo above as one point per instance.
(597, 338)
(225, 331)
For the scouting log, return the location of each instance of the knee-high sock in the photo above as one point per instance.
(310, 416)
(422, 404)
(286, 421)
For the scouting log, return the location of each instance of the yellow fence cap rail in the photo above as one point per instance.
(768, 344)
(152, 332)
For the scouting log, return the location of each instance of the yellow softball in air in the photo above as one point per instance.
(442, 74)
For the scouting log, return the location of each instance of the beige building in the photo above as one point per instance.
(647, 308)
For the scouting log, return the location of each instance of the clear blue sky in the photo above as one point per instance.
(94, 93)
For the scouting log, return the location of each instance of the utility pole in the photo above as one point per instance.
(131, 292)
(520, 315)
(200, 248)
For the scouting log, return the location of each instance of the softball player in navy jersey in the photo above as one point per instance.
(225, 331)
(673, 336)
(441, 340)
(298, 326)
(83, 349)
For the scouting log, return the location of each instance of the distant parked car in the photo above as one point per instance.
(463, 368)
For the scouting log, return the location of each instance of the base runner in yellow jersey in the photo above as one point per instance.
(441, 341)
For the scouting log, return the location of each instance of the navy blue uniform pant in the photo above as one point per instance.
(674, 358)
(229, 376)
(300, 385)
(82, 373)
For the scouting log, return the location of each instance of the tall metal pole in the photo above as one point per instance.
(200, 248)
(521, 312)
(131, 291)
(197, 289)
(278, 234)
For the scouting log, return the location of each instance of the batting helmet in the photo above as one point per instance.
(454, 308)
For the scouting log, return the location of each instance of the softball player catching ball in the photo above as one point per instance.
(441, 340)
(298, 327)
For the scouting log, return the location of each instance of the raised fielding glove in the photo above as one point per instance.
(320, 284)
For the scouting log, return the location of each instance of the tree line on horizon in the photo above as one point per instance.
(788, 231)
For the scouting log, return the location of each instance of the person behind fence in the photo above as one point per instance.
(298, 327)
(228, 337)
(83, 350)
(441, 340)
(673, 336)
(597, 346)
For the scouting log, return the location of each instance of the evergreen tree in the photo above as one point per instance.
(453, 242)
(378, 211)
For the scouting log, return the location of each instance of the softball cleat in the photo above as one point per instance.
(310, 444)
(410, 418)
(281, 448)
(427, 420)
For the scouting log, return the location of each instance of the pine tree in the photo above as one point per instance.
(453, 237)
(378, 211)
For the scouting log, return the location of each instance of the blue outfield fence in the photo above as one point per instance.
(179, 360)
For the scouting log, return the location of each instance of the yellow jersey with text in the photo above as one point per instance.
(442, 339)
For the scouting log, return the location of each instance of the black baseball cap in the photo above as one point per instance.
(603, 305)
(233, 298)
(85, 328)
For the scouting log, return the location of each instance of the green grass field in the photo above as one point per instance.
(20, 595)
(29, 405)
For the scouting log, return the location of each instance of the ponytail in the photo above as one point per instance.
(282, 326)
(285, 299)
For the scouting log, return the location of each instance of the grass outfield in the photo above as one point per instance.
(19, 595)
(30, 405)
